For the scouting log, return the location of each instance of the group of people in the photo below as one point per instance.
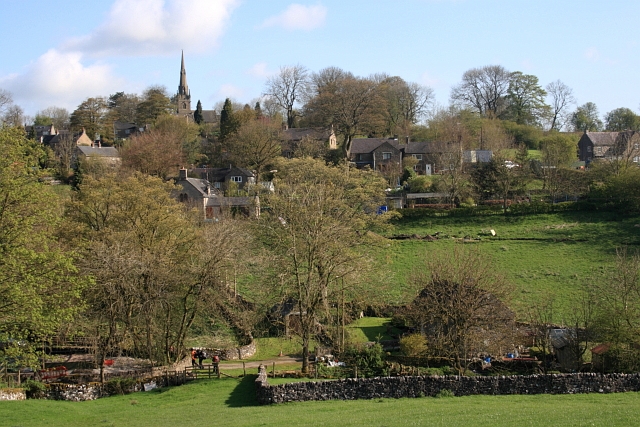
(200, 355)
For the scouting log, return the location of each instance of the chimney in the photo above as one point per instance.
(183, 174)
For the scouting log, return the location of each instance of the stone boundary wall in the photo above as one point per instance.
(237, 353)
(419, 386)
(13, 394)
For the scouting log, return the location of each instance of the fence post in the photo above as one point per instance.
(244, 370)
(273, 370)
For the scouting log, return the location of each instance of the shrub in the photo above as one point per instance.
(368, 359)
(34, 389)
(444, 393)
(414, 345)
(119, 386)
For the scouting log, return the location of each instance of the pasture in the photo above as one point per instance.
(544, 257)
(231, 402)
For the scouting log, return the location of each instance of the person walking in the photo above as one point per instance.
(193, 357)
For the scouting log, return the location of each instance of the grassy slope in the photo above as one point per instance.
(568, 249)
(231, 402)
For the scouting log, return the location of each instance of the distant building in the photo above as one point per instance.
(183, 100)
(609, 146)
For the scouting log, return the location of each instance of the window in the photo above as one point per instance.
(127, 131)
(418, 168)
(588, 148)
(386, 156)
(236, 179)
(417, 156)
(636, 146)
(598, 150)
(216, 185)
(636, 159)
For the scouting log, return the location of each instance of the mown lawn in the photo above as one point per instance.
(550, 256)
(231, 402)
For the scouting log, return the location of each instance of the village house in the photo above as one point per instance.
(308, 141)
(609, 146)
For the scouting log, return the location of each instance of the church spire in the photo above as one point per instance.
(183, 88)
(183, 97)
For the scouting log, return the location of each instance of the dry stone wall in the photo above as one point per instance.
(12, 394)
(397, 387)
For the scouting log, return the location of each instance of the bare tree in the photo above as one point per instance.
(561, 97)
(14, 116)
(287, 88)
(460, 307)
(483, 89)
(5, 100)
(406, 104)
(57, 116)
(254, 145)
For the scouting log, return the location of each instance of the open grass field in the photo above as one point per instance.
(231, 402)
(543, 256)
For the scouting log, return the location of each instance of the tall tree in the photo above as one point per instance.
(228, 122)
(123, 107)
(406, 104)
(39, 284)
(90, 115)
(558, 151)
(586, 118)
(255, 145)
(314, 229)
(56, 116)
(287, 87)
(353, 105)
(197, 115)
(155, 103)
(561, 97)
(483, 89)
(158, 152)
(622, 119)
(525, 100)
(5, 100)
(14, 116)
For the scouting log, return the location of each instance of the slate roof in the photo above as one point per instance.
(296, 134)
(602, 138)
(98, 151)
(367, 145)
(220, 174)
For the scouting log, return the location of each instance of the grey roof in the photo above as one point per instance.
(221, 174)
(367, 145)
(296, 134)
(602, 138)
(98, 151)
(202, 185)
(210, 116)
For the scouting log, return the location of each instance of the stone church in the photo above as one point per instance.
(183, 100)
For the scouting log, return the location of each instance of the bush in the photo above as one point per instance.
(34, 389)
(368, 359)
(444, 393)
(414, 345)
(120, 386)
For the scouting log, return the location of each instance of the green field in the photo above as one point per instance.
(231, 402)
(548, 256)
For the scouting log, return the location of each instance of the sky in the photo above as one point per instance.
(58, 53)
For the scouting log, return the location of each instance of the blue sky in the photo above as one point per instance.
(61, 52)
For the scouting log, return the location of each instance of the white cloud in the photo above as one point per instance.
(260, 71)
(298, 17)
(60, 79)
(148, 27)
(427, 80)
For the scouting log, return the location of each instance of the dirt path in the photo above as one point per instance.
(284, 360)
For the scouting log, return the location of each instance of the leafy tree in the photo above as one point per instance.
(460, 307)
(622, 119)
(314, 230)
(561, 98)
(197, 115)
(56, 116)
(158, 152)
(586, 118)
(90, 115)
(155, 103)
(255, 145)
(483, 90)
(406, 103)
(287, 87)
(39, 284)
(353, 105)
(228, 122)
(525, 99)
(558, 151)
(123, 107)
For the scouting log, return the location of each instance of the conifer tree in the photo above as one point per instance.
(228, 123)
(197, 115)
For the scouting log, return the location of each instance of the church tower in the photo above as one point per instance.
(183, 98)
